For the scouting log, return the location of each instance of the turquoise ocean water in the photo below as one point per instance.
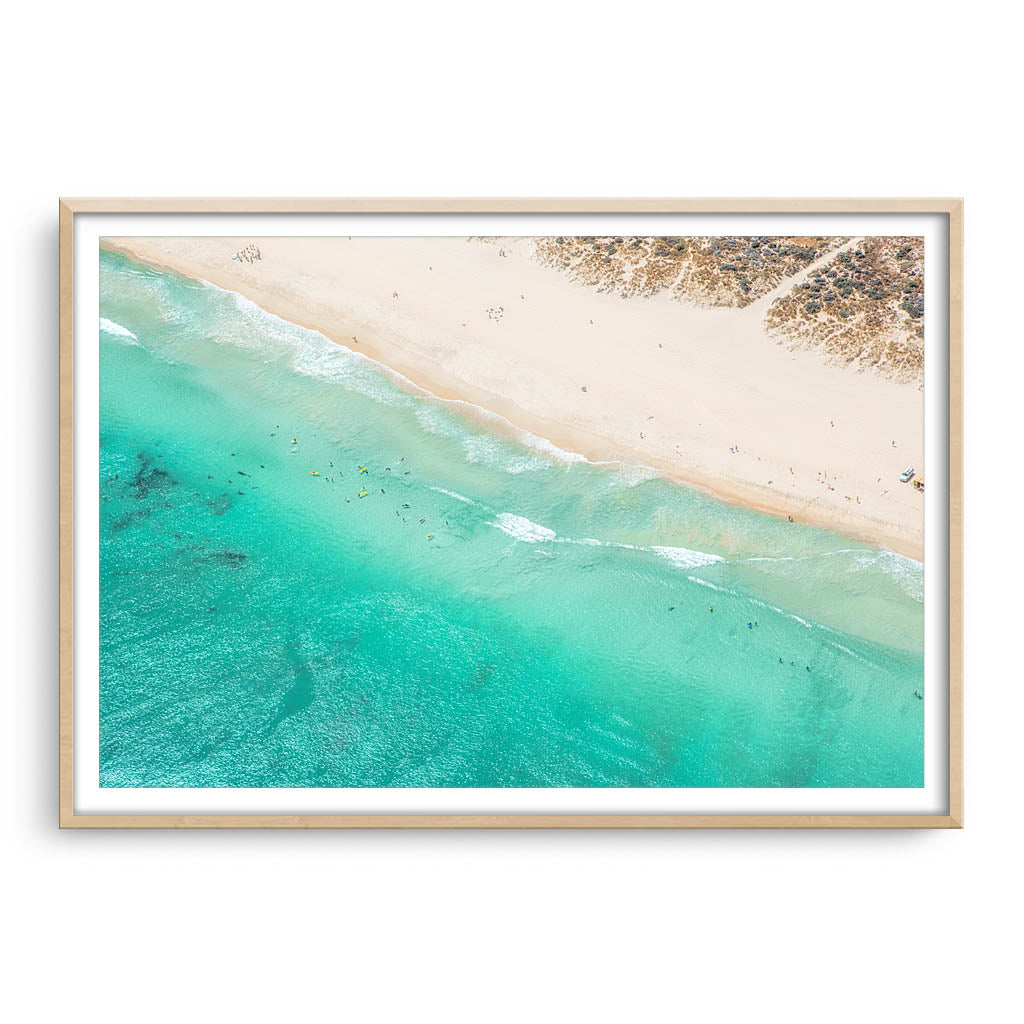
(258, 629)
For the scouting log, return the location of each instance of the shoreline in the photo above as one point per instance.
(522, 377)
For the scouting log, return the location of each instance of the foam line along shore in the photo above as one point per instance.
(702, 395)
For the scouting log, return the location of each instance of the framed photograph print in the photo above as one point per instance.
(510, 513)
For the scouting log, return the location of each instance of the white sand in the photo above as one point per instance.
(669, 385)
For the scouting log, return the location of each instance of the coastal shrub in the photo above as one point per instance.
(876, 290)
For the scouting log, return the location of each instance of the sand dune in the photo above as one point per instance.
(702, 394)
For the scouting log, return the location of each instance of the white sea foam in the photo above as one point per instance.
(497, 454)
(117, 330)
(548, 448)
(907, 573)
(632, 476)
(454, 494)
(686, 558)
(523, 529)
(435, 420)
(335, 363)
(709, 584)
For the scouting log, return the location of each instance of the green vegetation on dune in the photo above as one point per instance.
(866, 306)
(710, 271)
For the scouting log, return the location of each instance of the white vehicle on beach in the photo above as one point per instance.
(906, 474)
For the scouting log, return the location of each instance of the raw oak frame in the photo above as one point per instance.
(951, 207)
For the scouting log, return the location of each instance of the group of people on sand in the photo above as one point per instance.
(250, 254)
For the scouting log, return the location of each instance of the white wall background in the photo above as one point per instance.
(523, 99)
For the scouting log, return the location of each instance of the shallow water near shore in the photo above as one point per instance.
(550, 622)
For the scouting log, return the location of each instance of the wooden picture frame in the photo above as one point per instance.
(952, 209)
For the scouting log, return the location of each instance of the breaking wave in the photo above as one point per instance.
(116, 330)
(526, 530)
(685, 558)
(523, 529)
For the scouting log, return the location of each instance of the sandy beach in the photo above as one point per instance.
(703, 395)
